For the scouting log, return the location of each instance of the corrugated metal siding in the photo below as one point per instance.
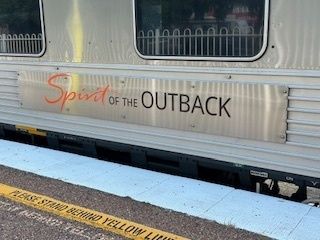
(304, 116)
(9, 93)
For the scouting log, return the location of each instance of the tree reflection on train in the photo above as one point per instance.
(186, 20)
(20, 17)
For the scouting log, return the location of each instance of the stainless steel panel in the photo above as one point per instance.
(101, 32)
(252, 111)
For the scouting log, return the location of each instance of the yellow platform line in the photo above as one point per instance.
(90, 217)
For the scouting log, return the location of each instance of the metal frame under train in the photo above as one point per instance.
(93, 81)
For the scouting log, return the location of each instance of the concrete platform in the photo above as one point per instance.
(269, 216)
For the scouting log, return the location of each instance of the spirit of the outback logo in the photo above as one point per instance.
(215, 106)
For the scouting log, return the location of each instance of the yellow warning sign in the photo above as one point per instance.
(90, 217)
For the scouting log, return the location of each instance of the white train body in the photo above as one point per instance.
(90, 80)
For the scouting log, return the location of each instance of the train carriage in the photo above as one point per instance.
(190, 86)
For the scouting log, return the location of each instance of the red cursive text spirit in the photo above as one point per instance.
(98, 96)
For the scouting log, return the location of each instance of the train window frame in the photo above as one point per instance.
(43, 40)
(197, 58)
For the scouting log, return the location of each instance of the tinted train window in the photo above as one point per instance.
(21, 30)
(200, 28)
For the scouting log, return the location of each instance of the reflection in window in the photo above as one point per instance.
(20, 27)
(200, 28)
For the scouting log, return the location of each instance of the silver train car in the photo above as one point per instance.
(191, 85)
